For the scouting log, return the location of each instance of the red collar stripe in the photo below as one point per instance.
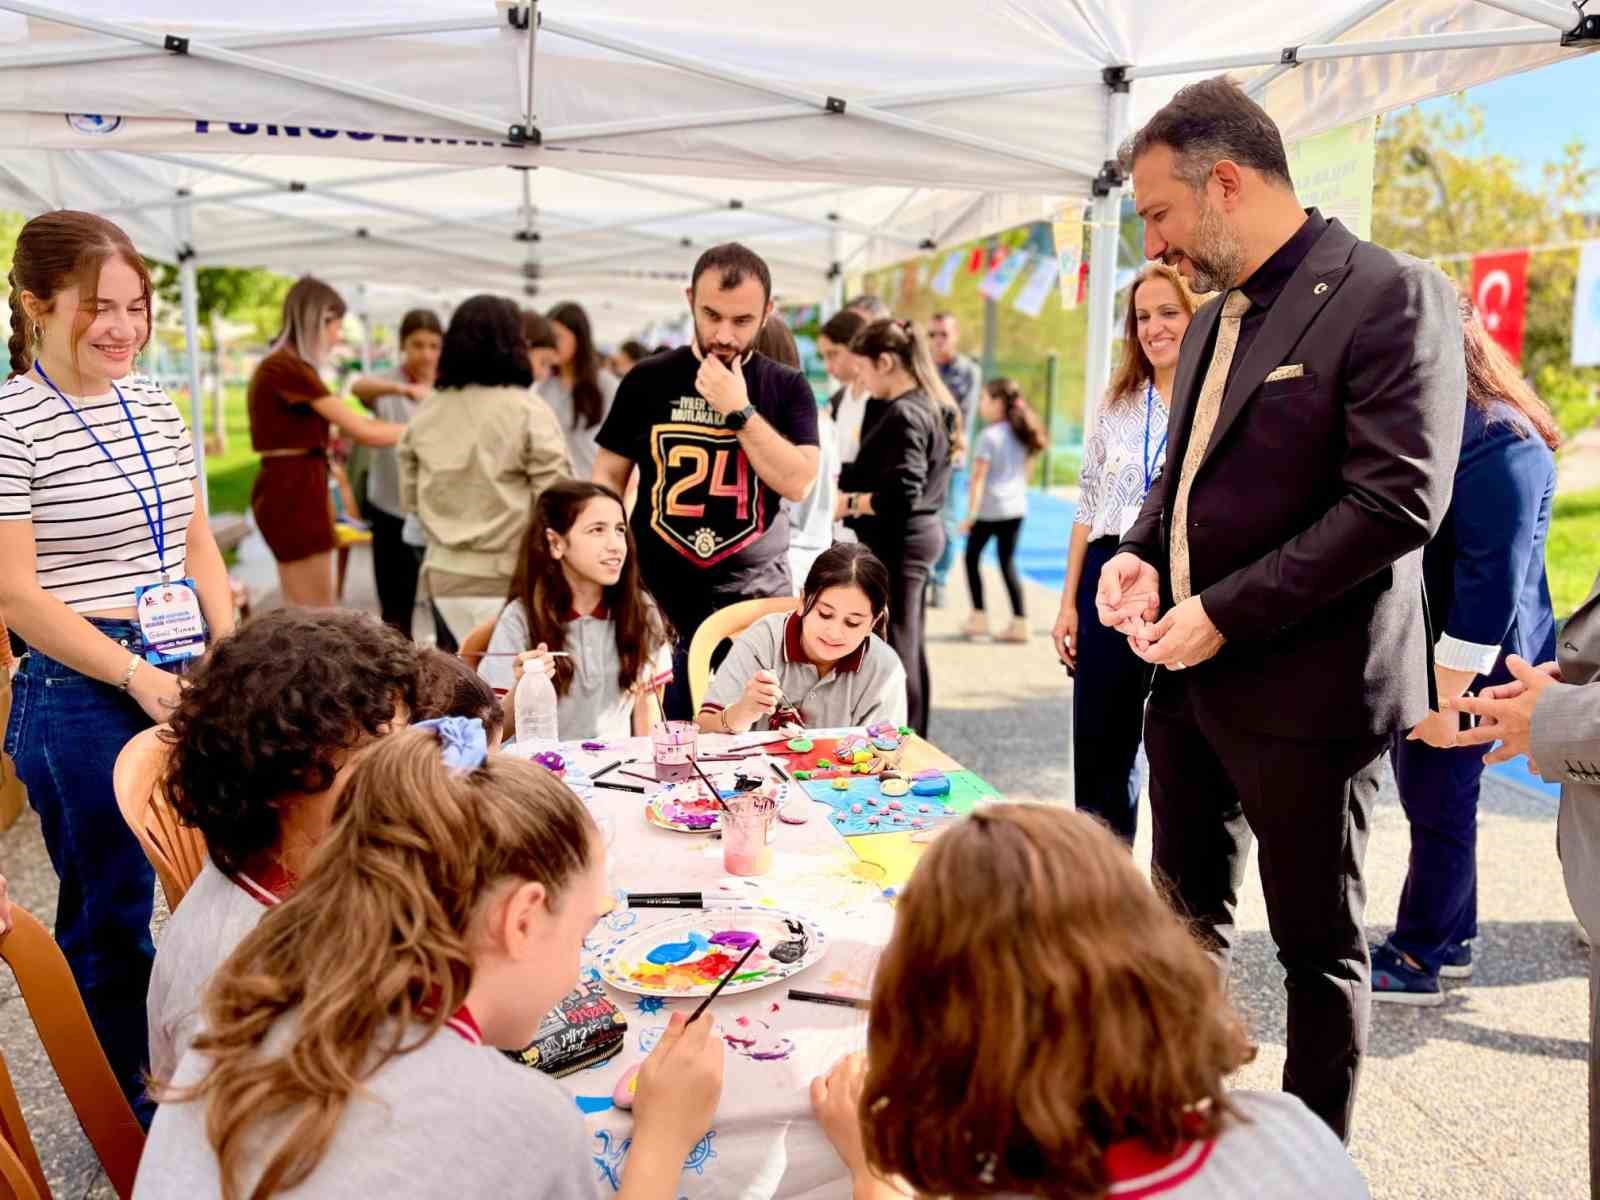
(274, 886)
(1156, 1176)
(466, 1026)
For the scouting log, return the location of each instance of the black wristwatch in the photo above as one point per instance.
(739, 418)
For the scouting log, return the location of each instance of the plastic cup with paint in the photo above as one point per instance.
(675, 744)
(746, 830)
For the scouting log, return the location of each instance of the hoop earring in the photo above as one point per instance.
(38, 337)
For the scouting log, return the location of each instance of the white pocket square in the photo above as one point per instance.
(1291, 371)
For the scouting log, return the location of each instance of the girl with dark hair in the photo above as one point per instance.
(581, 388)
(891, 495)
(1043, 1024)
(541, 342)
(823, 666)
(99, 508)
(576, 589)
(448, 687)
(1123, 456)
(1484, 575)
(849, 404)
(291, 411)
(259, 745)
(473, 461)
(346, 1043)
(394, 397)
(997, 499)
(811, 519)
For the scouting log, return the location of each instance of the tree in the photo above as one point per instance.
(1434, 197)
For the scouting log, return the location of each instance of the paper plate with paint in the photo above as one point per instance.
(686, 955)
(684, 808)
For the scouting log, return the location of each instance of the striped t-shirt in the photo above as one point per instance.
(93, 545)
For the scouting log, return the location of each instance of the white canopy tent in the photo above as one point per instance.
(832, 139)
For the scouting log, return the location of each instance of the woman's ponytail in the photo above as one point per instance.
(20, 348)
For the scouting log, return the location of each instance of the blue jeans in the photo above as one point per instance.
(1439, 904)
(65, 733)
(955, 507)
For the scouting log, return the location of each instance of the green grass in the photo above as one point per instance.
(1572, 555)
(231, 475)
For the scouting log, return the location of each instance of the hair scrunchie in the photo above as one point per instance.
(463, 744)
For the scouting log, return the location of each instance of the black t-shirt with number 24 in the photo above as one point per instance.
(709, 531)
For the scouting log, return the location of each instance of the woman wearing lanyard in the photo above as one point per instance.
(113, 580)
(290, 412)
(1121, 460)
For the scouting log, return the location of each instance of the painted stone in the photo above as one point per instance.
(855, 808)
(627, 1088)
(802, 775)
(842, 784)
(800, 745)
(893, 787)
(931, 787)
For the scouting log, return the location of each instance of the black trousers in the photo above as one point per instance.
(1309, 805)
(395, 566)
(1108, 691)
(1005, 535)
(910, 560)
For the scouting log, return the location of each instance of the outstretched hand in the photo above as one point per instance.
(1508, 721)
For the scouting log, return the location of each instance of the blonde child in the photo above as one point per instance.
(348, 1044)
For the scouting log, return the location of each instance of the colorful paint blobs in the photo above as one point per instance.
(673, 952)
(737, 940)
(758, 1044)
(823, 764)
(865, 798)
(802, 775)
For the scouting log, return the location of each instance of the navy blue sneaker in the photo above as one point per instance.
(1395, 981)
(1457, 962)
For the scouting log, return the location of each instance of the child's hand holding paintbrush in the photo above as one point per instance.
(679, 1087)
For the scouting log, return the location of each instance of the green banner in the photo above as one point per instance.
(1333, 172)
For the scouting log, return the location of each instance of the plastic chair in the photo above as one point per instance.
(476, 643)
(80, 1064)
(176, 851)
(727, 623)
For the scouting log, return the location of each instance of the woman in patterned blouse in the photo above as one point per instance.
(1122, 457)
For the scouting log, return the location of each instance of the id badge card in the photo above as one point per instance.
(170, 620)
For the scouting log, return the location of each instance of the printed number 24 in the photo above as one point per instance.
(701, 464)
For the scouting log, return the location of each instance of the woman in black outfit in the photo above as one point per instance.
(892, 493)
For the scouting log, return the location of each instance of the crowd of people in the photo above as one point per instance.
(1341, 555)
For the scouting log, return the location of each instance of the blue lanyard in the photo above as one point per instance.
(157, 527)
(1149, 410)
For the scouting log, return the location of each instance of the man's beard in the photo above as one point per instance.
(1217, 255)
(728, 354)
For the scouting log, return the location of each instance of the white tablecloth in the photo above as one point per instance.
(764, 1142)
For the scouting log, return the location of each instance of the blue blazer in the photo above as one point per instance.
(1484, 569)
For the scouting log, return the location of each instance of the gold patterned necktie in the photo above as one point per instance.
(1205, 421)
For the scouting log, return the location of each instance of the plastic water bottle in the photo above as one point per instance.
(535, 704)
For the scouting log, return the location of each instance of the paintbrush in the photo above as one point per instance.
(726, 979)
(706, 779)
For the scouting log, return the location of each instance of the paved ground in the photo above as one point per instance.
(1482, 1098)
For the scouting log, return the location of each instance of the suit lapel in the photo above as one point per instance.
(1314, 283)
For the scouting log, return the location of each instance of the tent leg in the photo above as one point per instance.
(835, 298)
(189, 292)
(1105, 222)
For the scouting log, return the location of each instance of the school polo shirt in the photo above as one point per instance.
(451, 1118)
(708, 529)
(215, 916)
(867, 685)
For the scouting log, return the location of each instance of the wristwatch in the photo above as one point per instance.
(739, 418)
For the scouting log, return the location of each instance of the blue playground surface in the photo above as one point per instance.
(1042, 557)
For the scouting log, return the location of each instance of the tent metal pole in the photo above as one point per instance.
(788, 112)
(1553, 15)
(822, 103)
(189, 294)
(214, 53)
(835, 299)
(1104, 236)
(760, 210)
(1332, 33)
(79, 55)
(533, 41)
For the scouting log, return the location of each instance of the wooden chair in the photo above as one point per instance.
(175, 850)
(728, 623)
(476, 643)
(80, 1064)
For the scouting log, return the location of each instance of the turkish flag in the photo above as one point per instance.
(1500, 292)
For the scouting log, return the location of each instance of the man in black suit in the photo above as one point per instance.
(1315, 424)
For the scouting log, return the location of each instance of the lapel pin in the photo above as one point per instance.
(1319, 289)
